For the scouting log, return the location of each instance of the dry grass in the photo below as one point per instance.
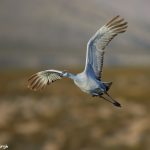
(63, 118)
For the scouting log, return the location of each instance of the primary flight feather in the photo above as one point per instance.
(89, 80)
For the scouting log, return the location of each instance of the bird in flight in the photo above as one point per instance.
(89, 80)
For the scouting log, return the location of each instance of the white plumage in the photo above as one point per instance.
(89, 80)
(41, 79)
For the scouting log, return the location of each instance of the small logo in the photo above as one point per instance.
(3, 146)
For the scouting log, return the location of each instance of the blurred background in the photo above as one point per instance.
(51, 34)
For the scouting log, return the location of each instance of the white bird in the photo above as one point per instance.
(89, 80)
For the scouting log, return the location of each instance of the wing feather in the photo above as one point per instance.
(96, 45)
(41, 79)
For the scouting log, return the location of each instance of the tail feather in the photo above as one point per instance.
(107, 85)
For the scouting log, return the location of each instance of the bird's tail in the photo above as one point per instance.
(107, 85)
(111, 100)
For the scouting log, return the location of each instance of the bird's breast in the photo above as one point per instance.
(86, 84)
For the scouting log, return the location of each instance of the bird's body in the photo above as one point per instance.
(86, 83)
(89, 81)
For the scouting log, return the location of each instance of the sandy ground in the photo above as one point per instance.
(63, 118)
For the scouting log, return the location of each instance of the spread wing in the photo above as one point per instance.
(96, 45)
(41, 79)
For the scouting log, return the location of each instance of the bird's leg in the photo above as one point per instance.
(111, 100)
(106, 99)
(114, 101)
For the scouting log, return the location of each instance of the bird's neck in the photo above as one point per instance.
(69, 75)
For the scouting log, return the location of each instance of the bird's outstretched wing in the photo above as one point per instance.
(41, 79)
(97, 44)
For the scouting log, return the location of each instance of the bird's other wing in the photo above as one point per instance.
(41, 79)
(97, 44)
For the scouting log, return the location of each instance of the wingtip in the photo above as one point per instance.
(117, 20)
(32, 82)
(117, 16)
(112, 20)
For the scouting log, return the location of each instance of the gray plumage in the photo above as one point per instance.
(89, 80)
